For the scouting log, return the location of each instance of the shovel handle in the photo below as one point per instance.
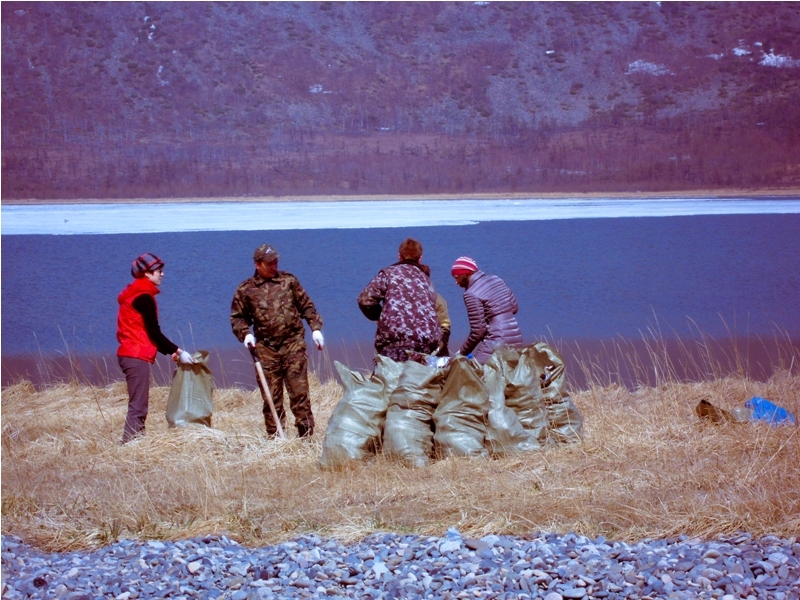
(262, 383)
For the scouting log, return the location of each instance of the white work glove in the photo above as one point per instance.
(318, 339)
(185, 357)
(249, 340)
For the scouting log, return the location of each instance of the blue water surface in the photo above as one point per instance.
(574, 278)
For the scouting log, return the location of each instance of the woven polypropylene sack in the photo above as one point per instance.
(565, 423)
(552, 371)
(523, 392)
(564, 420)
(190, 399)
(408, 431)
(460, 417)
(504, 432)
(356, 424)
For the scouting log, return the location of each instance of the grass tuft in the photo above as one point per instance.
(647, 468)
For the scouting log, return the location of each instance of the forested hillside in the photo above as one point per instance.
(152, 99)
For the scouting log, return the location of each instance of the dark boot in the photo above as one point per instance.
(272, 429)
(305, 430)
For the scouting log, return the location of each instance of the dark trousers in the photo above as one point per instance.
(287, 365)
(137, 376)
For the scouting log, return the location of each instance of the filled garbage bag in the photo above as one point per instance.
(460, 417)
(504, 431)
(189, 399)
(522, 370)
(764, 410)
(356, 424)
(551, 369)
(408, 431)
(515, 403)
(564, 421)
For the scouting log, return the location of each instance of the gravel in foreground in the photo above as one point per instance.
(407, 566)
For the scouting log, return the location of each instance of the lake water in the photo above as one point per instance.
(583, 280)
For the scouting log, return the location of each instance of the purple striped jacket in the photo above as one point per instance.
(491, 307)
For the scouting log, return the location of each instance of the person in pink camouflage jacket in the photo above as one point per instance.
(402, 299)
(491, 307)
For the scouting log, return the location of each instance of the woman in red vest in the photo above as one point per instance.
(140, 337)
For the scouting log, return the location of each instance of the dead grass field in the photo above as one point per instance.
(647, 468)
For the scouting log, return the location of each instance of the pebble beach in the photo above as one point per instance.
(548, 566)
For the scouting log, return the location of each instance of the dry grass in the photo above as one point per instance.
(647, 468)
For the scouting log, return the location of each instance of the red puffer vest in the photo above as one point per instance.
(131, 334)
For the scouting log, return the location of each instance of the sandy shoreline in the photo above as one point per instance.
(703, 193)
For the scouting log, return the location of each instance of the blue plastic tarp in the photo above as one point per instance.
(764, 410)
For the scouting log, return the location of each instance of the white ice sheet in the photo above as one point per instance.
(73, 219)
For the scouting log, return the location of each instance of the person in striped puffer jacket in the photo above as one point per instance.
(491, 307)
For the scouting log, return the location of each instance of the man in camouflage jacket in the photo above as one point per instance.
(402, 299)
(274, 303)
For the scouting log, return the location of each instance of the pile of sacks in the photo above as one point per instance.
(412, 412)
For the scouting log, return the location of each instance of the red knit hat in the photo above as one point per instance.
(464, 265)
(146, 262)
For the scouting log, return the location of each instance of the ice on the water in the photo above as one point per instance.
(74, 219)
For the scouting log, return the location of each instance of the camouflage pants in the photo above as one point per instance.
(287, 365)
